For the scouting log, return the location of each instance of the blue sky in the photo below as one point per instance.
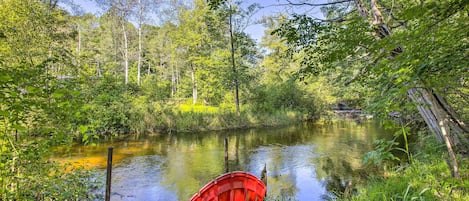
(256, 30)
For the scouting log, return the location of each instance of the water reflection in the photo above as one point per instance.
(304, 162)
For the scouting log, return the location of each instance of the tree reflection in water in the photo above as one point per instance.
(304, 162)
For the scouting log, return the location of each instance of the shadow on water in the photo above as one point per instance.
(304, 162)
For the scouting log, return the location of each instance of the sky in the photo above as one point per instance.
(256, 31)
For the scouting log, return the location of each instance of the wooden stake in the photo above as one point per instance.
(226, 155)
(264, 174)
(109, 173)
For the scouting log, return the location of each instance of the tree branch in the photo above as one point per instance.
(315, 4)
(337, 19)
(306, 4)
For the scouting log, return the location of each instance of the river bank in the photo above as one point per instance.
(167, 118)
(425, 177)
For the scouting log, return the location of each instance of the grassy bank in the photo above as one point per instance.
(116, 109)
(427, 177)
(190, 118)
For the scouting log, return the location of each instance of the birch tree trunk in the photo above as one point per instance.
(173, 81)
(194, 85)
(126, 52)
(442, 122)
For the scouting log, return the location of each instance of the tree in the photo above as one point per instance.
(233, 62)
(238, 20)
(121, 10)
(142, 12)
(403, 48)
(141, 9)
(200, 39)
(276, 66)
(37, 102)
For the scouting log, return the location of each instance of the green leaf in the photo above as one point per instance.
(32, 89)
(18, 127)
(4, 113)
(84, 139)
(58, 94)
(5, 78)
(83, 129)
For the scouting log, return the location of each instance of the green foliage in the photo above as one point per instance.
(28, 175)
(285, 95)
(108, 108)
(428, 178)
(381, 153)
(424, 47)
(428, 38)
(39, 102)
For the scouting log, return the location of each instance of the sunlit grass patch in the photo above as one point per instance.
(199, 109)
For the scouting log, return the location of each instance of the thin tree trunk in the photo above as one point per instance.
(79, 45)
(233, 62)
(115, 40)
(98, 69)
(126, 52)
(194, 85)
(173, 81)
(177, 76)
(149, 68)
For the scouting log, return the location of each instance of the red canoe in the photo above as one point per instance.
(233, 186)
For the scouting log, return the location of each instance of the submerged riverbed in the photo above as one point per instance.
(304, 162)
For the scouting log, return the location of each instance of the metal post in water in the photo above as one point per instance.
(109, 173)
(226, 156)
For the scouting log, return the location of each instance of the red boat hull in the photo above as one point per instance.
(233, 186)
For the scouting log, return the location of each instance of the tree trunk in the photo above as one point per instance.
(194, 85)
(126, 53)
(233, 63)
(149, 68)
(79, 46)
(173, 81)
(441, 123)
(98, 69)
(116, 45)
(178, 76)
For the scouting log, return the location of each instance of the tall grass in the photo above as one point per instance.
(201, 118)
(145, 117)
(427, 178)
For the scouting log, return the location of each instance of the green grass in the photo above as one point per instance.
(186, 117)
(427, 178)
(202, 118)
(203, 109)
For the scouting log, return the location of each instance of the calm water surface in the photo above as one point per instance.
(304, 162)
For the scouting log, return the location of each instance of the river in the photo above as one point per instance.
(304, 162)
